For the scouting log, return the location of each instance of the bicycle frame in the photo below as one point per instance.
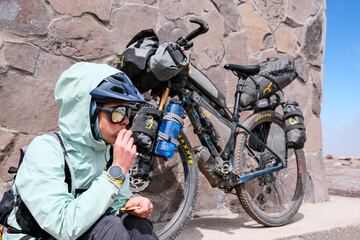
(227, 160)
(280, 163)
(232, 117)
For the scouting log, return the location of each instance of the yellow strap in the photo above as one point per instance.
(293, 121)
(1, 231)
(150, 124)
(118, 181)
(268, 89)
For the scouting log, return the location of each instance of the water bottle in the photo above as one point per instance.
(169, 130)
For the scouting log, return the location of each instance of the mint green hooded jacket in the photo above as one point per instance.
(40, 179)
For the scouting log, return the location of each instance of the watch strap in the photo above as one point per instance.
(116, 180)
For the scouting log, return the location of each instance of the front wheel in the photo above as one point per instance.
(272, 199)
(173, 190)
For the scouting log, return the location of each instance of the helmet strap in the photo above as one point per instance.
(94, 121)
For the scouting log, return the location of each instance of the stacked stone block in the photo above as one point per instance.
(39, 39)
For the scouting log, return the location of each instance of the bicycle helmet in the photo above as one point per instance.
(117, 87)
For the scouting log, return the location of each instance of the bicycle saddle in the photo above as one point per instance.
(243, 69)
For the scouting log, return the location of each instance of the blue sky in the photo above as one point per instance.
(340, 114)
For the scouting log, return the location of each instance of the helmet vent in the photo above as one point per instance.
(118, 90)
(119, 78)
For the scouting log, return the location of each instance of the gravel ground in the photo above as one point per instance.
(343, 176)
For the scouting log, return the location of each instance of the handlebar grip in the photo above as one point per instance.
(203, 28)
(204, 25)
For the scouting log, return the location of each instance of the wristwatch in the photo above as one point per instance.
(116, 173)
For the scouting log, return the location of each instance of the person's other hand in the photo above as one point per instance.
(145, 210)
(124, 150)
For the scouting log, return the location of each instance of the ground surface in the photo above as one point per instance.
(336, 219)
(343, 176)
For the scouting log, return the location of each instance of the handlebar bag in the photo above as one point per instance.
(168, 61)
(275, 74)
(134, 60)
(150, 65)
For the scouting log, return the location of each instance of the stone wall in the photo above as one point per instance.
(40, 39)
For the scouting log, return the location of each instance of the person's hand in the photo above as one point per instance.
(124, 150)
(145, 210)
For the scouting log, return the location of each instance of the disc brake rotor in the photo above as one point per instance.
(137, 184)
(140, 173)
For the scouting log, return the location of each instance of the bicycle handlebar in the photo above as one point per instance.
(203, 28)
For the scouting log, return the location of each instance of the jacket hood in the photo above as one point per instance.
(72, 94)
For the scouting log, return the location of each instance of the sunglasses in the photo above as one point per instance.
(117, 113)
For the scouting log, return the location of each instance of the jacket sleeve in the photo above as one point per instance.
(121, 199)
(40, 183)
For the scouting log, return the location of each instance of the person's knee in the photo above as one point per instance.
(109, 227)
(132, 221)
(140, 228)
(112, 221)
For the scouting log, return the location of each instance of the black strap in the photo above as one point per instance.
(152, 111)
(67, 170)
(295, 126)
(141, 129)
(13, 230)
(293, 114)
(146, 33)
(109, 163)
(257, 87)
(79, 191)
(26, 237)
(41, 234)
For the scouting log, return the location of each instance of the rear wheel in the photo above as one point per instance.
(272, 199)
(173, 190)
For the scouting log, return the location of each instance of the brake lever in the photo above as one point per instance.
(184, 44)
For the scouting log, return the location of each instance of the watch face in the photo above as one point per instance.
(116, 172)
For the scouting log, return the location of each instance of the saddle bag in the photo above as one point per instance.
(145, 127)
(274, 75)
(270, 102)
(294, 125)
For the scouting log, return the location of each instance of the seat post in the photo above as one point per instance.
(239, 90)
